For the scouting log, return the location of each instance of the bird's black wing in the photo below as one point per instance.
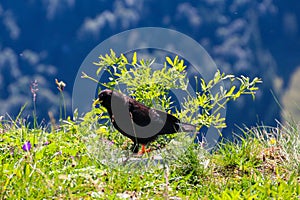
(149, 117)
(139, 112)
(163, 122)
(171, 124)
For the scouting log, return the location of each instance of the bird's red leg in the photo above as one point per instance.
(144, 150)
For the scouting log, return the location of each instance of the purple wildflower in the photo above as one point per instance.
(26, 146)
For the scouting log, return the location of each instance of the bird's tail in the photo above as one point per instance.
(185, 127)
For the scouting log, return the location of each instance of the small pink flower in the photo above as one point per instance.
(34, 89)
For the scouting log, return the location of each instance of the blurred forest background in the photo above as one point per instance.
(48, 39)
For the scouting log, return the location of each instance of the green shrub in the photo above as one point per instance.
(153, 87)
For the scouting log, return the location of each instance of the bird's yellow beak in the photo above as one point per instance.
(97, 101)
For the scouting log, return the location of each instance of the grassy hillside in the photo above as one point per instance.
(80, 158)
(76, 160)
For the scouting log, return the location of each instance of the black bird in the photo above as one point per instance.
(138, 122)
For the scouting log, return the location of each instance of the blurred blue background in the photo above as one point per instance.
(48, 39)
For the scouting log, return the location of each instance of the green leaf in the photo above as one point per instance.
(175, 60)
(216, 78)
(98, 71)
(134, 59)
(229, 93)
(169, 61)
(112, 53)
(237, 95)
(124, 59)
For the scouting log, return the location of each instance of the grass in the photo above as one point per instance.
(75, 160)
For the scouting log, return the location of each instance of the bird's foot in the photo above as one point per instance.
(144, 150)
